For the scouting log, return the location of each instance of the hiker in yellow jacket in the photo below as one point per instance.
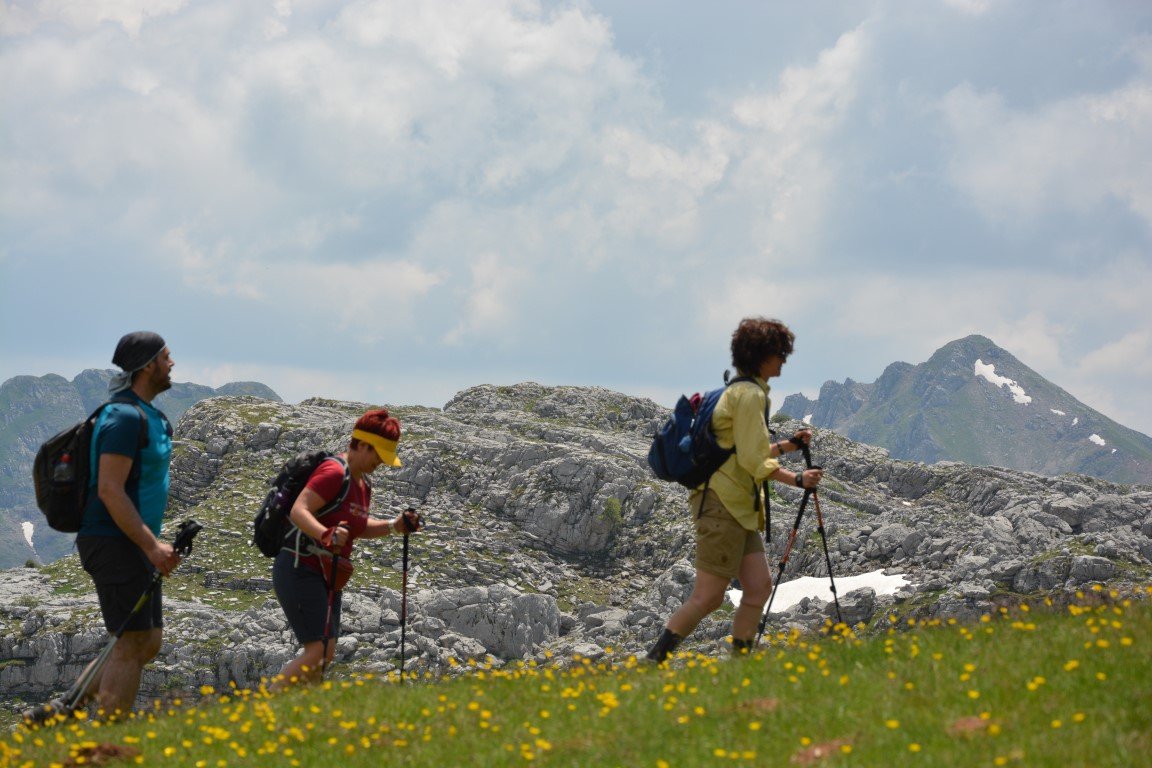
(729, 509)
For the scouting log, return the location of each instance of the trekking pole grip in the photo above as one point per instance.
(185, 533)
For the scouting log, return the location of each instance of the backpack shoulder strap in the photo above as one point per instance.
(142, 442)
(142, 436)
(295, 533)
(344, 488)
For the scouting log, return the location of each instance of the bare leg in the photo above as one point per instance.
(306, 667)
(756, 579)
(707, 595)
(119, 682)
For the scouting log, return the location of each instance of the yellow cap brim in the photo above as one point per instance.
(385, 448)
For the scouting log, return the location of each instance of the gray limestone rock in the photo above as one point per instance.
(548, 537)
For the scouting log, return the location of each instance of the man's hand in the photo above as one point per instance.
(163, 557)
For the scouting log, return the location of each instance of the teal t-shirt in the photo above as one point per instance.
(118, 432)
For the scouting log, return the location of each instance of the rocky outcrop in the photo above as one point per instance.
(547, 537)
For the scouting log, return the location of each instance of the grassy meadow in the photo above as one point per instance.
(1033, 686)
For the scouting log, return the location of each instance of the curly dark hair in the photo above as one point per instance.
(756, 339)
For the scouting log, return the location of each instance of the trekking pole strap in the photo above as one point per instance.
(767, 512)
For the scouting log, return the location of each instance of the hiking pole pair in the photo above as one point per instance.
(70, 701)
(808, 493)
(823, 536)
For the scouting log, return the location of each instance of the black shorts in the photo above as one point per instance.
(304, 597)
(122, 574)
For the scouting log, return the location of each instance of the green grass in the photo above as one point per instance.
(1035, 687)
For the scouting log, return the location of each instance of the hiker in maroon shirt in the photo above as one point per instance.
(310, 572)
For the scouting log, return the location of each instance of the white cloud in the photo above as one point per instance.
(370, 296)
(1068, 155)
(784, 175)
(746, 296)
(970, 7)
(511, 36)
(808, 98)
(264, 157)
(87, 15)
(1114, 377)
(1130, 355)
(487, 300)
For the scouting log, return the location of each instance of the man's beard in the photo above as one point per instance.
(162, 382)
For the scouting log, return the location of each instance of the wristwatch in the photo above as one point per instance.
(799, 479)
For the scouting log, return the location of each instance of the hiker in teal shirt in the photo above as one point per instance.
(118, 541)
(117, 433)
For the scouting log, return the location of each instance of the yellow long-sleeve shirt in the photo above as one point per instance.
(739, 420)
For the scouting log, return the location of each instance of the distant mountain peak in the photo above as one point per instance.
(973, 401)
(32, 409)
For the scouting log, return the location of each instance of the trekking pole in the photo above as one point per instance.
(412, 521)
(404, 607)
(783, 564)
(823, 537)
(70, 701)
(328, 617)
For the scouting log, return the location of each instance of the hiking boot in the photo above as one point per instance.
(742, 647)
(46, 713)
(664, 646)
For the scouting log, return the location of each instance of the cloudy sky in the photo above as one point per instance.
(392, 200)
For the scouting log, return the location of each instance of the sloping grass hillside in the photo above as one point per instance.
(1037, 686)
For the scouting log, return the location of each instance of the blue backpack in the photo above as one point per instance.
(685, 450)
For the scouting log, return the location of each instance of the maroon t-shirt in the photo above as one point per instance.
(353, 512)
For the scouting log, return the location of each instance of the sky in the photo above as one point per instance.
(391, 201)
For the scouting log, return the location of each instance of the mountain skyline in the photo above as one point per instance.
(32, 409)
(974, 402)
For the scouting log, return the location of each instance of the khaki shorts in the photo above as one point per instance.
(721, 542)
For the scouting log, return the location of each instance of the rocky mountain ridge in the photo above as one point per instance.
(974, 402)
(548, 537)
(32, 409)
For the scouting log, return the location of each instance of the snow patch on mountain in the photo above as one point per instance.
(988, 371)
